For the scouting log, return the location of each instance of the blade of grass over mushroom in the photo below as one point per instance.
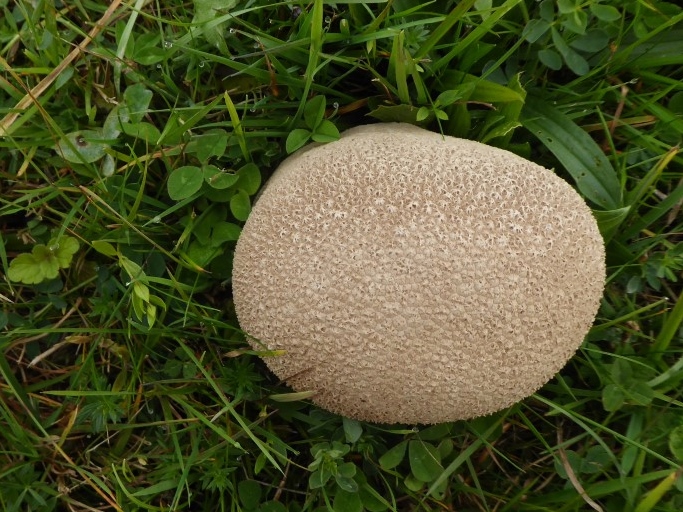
(292, 397)
(578, 153)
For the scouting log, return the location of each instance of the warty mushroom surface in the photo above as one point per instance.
(415, 278)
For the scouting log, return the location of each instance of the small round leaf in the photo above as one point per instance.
(326, 131)
(372, 500)
(550, 58)
(345, 501)
(592, 41)
(84, 146)
(143, 131)
(612, 397)
(137, 98)
(314, 111)
(296, 139)
(425, 461)
(218, 179)
(422, 114)
(566, 6)
(547, 10)
(535, 29)
(250, 178)
(249, 492)
(184, 181)
(240, 205)
(393, 456)
(576, 62)
(605, 12)
(272, 506)
(352, 429)
(104, 248)
(676, 442)
(346, 483)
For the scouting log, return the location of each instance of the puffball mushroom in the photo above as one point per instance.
(414, 278)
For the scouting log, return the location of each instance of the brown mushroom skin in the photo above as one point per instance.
(416, 278)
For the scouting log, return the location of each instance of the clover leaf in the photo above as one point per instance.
(44, 261)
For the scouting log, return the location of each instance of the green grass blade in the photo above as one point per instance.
(610, 220)
(444, 28)
(397, 64)
(123, 44)
(464, 455)
(668, 330)
(229, 407)
(655, 213)
(648, 181)
(655, 495)
(475, 35)
(316, 45)
(16, 388)
(578, 153)
(483, 90)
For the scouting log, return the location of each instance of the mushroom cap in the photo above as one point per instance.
(416, 278)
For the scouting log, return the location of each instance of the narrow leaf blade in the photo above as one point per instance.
(578, 153)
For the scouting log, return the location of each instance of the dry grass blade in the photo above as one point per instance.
(33, 95)
(572, 476)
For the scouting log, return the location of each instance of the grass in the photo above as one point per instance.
(126, 383)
